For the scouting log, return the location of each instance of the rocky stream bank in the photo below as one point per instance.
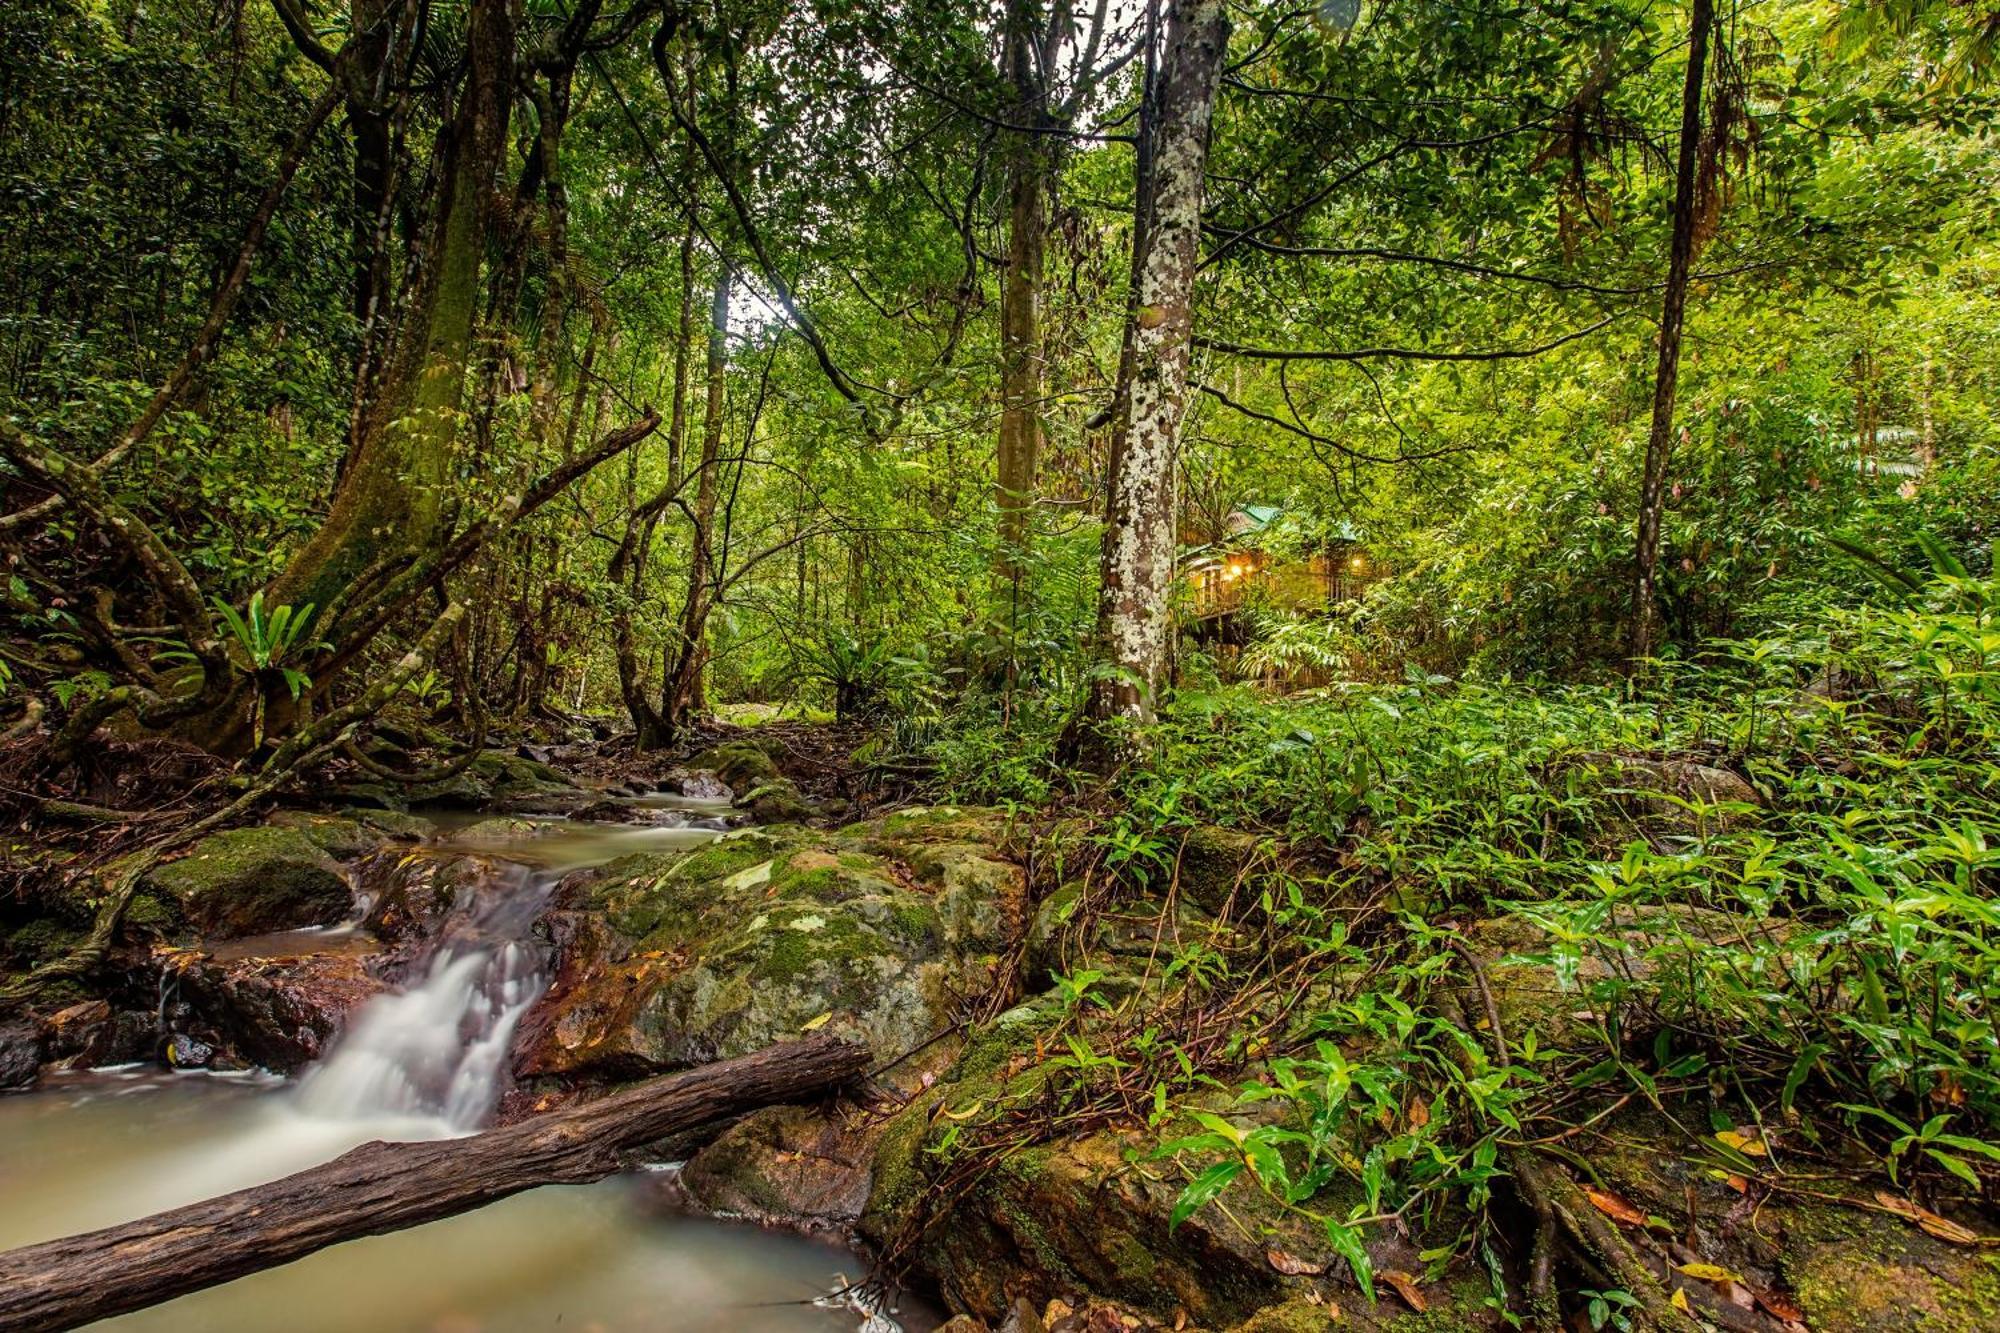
(922, 933)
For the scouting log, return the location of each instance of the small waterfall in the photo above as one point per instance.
(437, 1050)
(428, 1061)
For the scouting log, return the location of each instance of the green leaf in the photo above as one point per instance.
(1202, 1189)
(1346, 1242)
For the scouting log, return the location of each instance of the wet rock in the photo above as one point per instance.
(698, 785)
(23, 1041)
(279, 1013)
(185, 1052)
(610, 812)
(71, 1028)
(92, 1032)
(540, 754)
(787, 1165)
(254, 880)
(505, 829)
(778, 802)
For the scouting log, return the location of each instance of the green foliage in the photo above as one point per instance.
(1826, 954)
(270, 643)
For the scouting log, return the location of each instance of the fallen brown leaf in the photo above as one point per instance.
(1780, 1306)
(1291, 1265)
(1614, 1207)
(1942, 1227)
(1406, 1287)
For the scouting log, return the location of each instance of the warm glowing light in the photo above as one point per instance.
(1354, 563)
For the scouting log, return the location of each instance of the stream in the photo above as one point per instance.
(427, 1061)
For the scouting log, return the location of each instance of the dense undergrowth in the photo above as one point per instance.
(1802, 945)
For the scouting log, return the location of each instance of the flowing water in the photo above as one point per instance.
(427, 1061)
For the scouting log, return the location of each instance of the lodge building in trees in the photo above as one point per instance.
(1239, 571)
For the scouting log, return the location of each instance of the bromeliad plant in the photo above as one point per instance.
(266, 647)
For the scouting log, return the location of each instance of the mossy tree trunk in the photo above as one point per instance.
(390, 500)
(1030, 165)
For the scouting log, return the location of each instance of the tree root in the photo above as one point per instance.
(1564, 1218)
(31, 717)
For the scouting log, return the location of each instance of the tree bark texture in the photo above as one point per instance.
(1138, 561)
(391, 494)
(382, 1187)
(681, 692)
(1030, 166)
(1666, 377)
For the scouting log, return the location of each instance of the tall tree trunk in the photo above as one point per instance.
(1029, 167)
(368, 122)
(390, 500)
(1138, 563)
(1666, 376)
(681, 692)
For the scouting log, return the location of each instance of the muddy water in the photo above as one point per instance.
(429, 1061)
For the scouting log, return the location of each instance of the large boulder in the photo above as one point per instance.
(278, 1012)
(672, 959)
(253, 880)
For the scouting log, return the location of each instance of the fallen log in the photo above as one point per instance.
(382, 1187)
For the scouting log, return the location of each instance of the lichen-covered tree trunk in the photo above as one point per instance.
(390, 499)
(1138, 562)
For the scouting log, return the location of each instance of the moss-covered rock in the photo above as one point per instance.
(1834, 1252)
(742, 764)
(749, 940)
(249, 881)
(778, 801)
(1672, 796)
(789, 1165)
(352, 833)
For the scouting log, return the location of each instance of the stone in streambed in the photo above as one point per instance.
(787, 1165)
(278, 1013)
(251, 881)
(778, 801)
(23, 1040)
(699, 785)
